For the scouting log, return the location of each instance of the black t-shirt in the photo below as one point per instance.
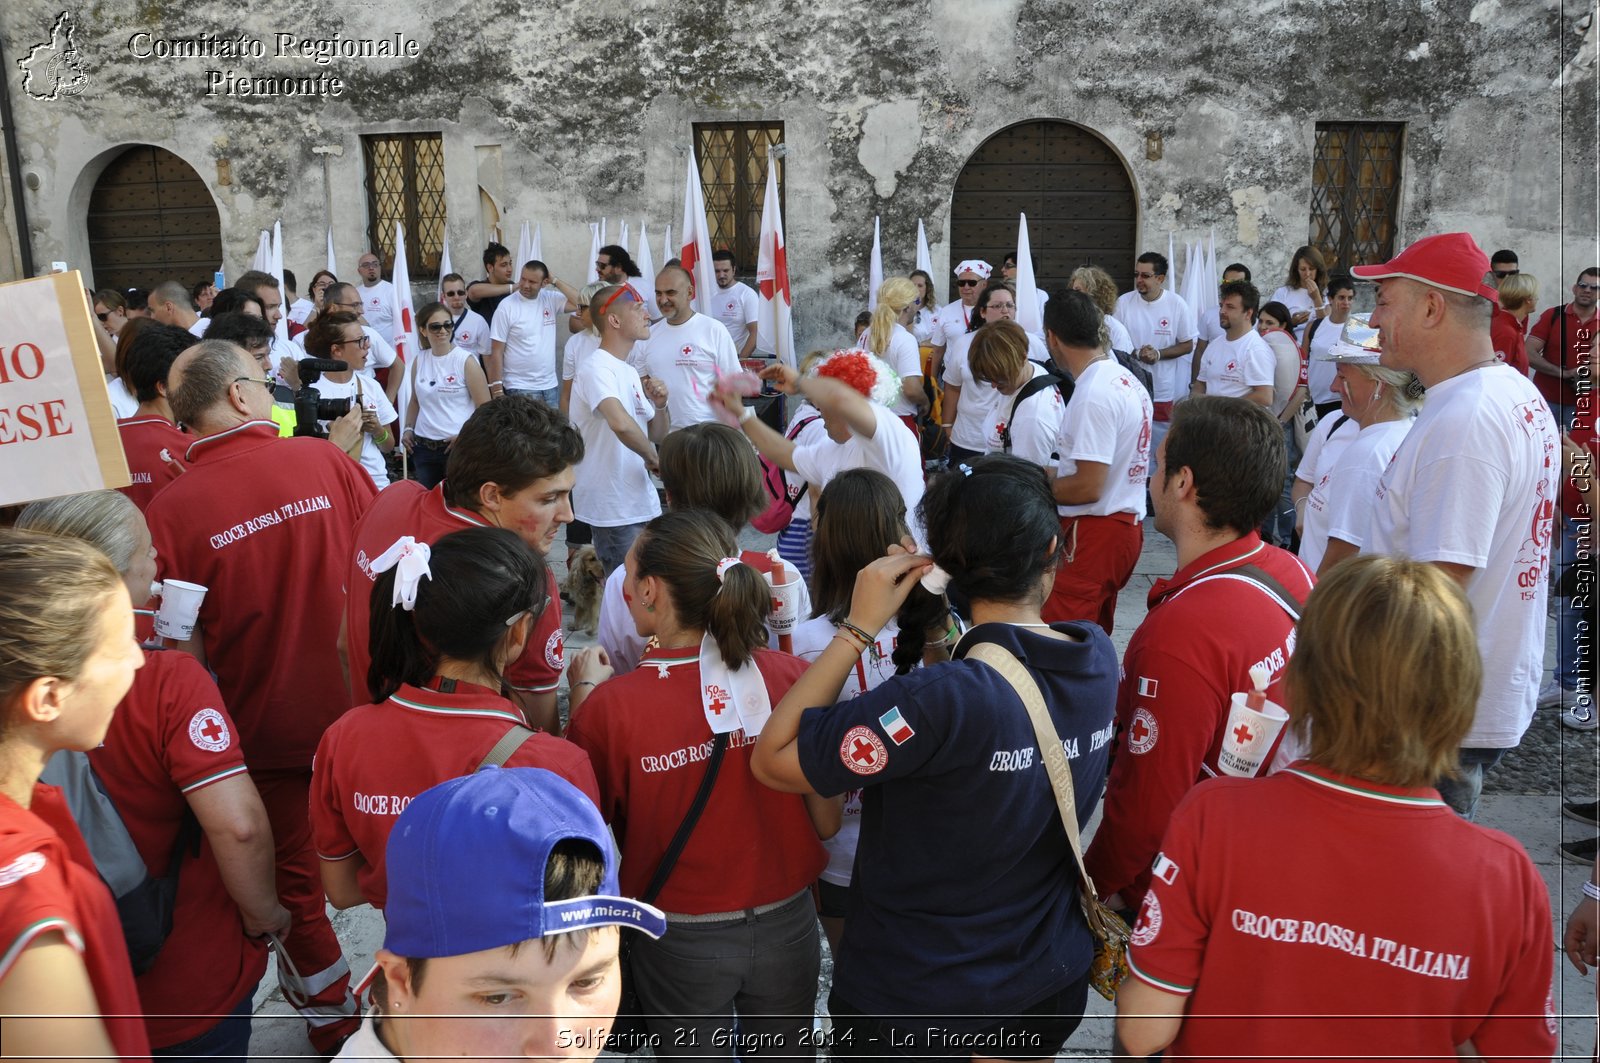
(488, 304)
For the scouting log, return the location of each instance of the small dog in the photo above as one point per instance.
(585, 579)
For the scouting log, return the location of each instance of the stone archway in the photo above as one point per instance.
(1078, 195)
(150, 219)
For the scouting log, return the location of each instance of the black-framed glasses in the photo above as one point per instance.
(1504, 273)
(456, 291)
(437, 326)
(364, 341)
(256, 380)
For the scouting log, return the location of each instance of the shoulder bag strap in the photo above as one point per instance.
(669, 859)
(1271, 584)
(502, 750)
(1044, 729)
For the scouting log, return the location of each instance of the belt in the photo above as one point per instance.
(739, 916)
(429, 444)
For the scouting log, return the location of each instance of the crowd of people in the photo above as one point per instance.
(886, 732)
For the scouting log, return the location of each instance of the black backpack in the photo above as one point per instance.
(1046, 380)
(1140, 372)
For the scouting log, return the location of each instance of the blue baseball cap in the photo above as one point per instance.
(466, 865)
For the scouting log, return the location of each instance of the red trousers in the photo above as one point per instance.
(1098, 559)
(322, 994)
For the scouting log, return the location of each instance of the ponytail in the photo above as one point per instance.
(894, 295)
(398, 654)
(736, 616)
(684, 549)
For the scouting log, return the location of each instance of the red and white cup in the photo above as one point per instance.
(180, 608)
(1249, 736)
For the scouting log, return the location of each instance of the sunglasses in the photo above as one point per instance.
(103, 316)
(1144, 276)
(438, 326)
(456, 291)
(1587, 287)
(1504, 273)
(967, 284)
(626, 289)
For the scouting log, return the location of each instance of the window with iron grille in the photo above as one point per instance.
(405, 183)
(733, 174)
(1355, 191)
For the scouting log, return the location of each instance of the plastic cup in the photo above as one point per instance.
(1249, 736)
(180, 608)
(785, 599)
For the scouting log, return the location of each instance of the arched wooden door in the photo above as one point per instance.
(1077, 194)
(152, 219)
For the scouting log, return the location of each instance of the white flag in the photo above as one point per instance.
(536, 251)
(404, 339)
(874, 268)
(695, 254)
(1172, 265)
(924, 258)
(622, 241)
(262, 263)
(333, 263)
(647, 272)
(667, 250)
(445, 269)
(594, 253)
(775, 310)
(1030, 311)
(275, 267)
(524, 253)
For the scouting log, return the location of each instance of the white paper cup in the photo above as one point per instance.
(180, 608)
(785, 600)
(1249, 736)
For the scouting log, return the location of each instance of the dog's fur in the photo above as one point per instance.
(585, 579)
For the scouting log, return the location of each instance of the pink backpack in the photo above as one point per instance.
(782, 494)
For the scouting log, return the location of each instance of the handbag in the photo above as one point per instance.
(1110, 964)
(628, 1033)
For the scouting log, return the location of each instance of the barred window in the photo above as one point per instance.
(732, 157)
(1355, 191)
(405, 183)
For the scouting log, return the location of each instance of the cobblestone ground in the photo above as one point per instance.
(1522, 797)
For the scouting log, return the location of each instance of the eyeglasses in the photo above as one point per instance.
(601, 263)
(456, 291)
(364, 341)
(1587, 287)
(255, 380)
(103, 316)
(435, 326)
(967, 284)
(1144, 276)
(1504, 273)
(626, 289)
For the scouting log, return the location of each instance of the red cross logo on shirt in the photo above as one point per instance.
(1232, 366)
(1139, 732)
(212, 729)
(686, 349)
(1528, 415)
(863, 752)
(1242, 735)
(1163, 322)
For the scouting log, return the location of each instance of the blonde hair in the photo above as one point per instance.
(586, 296)
(1097, 285)
(999, 351)
(103, 519)
(1386, 672)
(1518, 290)
(894, 295)
(52, 589)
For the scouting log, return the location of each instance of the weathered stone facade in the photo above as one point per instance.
(566, 112)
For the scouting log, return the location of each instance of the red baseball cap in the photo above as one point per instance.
(1452, 261)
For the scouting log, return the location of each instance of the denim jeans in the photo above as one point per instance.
(551, 397)
(427, 465)
(611, 544)
(227, 1040)
(1462, 792)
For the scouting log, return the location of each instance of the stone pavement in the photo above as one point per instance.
(1522, 797)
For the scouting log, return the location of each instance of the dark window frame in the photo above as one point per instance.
(736, 200)
(1357, 172)
(425, 234)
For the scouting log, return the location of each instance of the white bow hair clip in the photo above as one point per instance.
(409, 559)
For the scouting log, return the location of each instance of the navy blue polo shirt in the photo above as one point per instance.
(964, 900)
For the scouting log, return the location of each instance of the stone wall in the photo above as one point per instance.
(567, 112)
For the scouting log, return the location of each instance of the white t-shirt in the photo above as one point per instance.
(123, 402)
(373, 398)
(1324, 445)
(975, 408)
(736, 307)
(439, 383)
(811, 637)
(201, 324)
(922, 325)
(904, 357)
(528, 329)
(579, 345)
(1340, 505)
(1161, 322)
(299, 310)
(472, 332)
(365, 1044)
(815, 431)
(1230, 368)
(1298, 299)
(1036, 427)
(686, 358)
(616, 488)
(891, 450)
(1474, 483)
(1108, 421)
(1120, 340)
(623, 643)
(1320, 369)
(377, 306)
(951, 320)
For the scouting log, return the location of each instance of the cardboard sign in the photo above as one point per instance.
(58, 434)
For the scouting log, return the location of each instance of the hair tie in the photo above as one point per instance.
(409, 559)
(966, 470)
(725, 564)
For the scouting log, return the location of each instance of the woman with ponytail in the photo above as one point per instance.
(446, 621)
(859, 516)
(742, 934)
(958, 804)
(890, 338)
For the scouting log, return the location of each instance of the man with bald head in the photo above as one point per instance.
(1472, 487)
(686, 350)
(169, 304)
(265, 524)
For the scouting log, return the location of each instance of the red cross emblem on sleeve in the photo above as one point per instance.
(212, 729)
(863, 752)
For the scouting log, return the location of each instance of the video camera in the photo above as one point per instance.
(310, 407)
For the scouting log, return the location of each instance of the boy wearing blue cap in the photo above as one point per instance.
(457, 974)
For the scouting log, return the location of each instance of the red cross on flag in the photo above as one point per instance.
(775, 310)
(695, 254)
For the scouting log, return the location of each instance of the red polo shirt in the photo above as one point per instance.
(1194, 649)
(1580, 341)
(143, 440)
(265, 523)
(172, 736)
(1505, 332)
(407, 508)
(376, 758)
